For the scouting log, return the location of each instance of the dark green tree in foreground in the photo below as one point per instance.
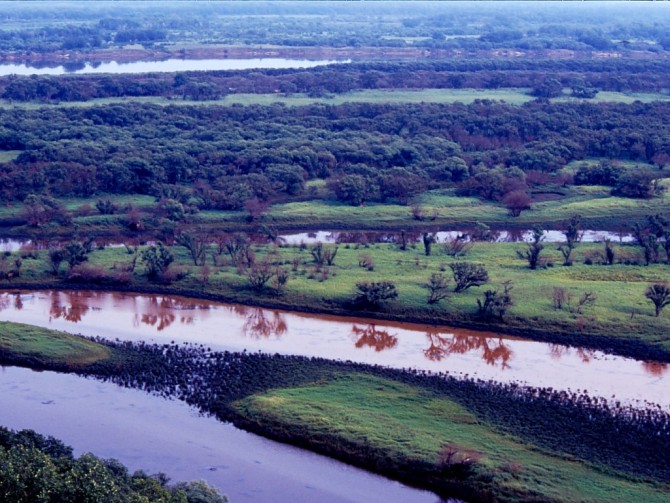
(37, 469)
(659, 295)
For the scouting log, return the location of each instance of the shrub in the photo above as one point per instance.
(467, 274)
(438, 288)
(374, 294)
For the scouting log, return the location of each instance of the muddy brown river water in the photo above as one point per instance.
(484, 355)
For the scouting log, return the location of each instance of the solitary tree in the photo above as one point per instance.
(535, 247)
(438, 287)
(156, 260)
(323, 254)
(495, 303)
(56, 257)
(659, 295)
(374, 294)
(196, 246)
(572, 237)
(428, 239)
(467, 274)
(516, 202)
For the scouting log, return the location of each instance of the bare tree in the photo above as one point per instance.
(495, 303)
(196, 246)
(259, 274)
(467, 274)
(609, 252)
(457, 246)
(323, 254)
(438, 288)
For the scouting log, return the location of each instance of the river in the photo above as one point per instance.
(484, 355)
(168, 65)
(501, 236)
(151, 433)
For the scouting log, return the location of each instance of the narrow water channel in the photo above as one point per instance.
(157, 435)
(168, 65)
(484, 355)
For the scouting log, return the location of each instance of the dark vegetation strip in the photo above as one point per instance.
(614, 437)
(219, 158)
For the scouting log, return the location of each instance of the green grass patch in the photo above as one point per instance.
(44, 346)
(411, 422)
(513, 96)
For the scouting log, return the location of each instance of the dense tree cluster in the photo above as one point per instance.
(34, 468)
(221, 157)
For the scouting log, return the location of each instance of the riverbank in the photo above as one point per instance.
(620, 320)
(462, 438)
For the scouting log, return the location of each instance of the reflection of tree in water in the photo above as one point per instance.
(557, 351)
(377, 339)
(494, 351)
(4, 301)
(655, 368)
(78, 306)
(161, 311)
(260, 325)
(18, 302)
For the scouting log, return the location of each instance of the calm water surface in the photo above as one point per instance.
(154, 434)
(502, 236)
(485, 355)
(168, 65)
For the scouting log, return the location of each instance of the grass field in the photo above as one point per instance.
(513, 96)
(45, 347)
(407, 421)
(594, 204)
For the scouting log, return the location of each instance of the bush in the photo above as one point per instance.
(374, 294)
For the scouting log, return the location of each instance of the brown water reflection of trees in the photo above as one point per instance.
(557, 351)
(377, 339)
(161, 311)
(73, 307)
(655, 368)
(261, 323)
(494, 351)
(4, 301)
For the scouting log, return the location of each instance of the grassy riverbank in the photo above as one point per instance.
(43, 347)
(411, 425)
(477, 441)
(619, 320)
